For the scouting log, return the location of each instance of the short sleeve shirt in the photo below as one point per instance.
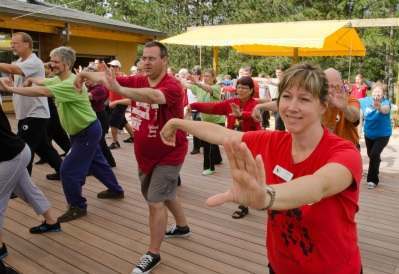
(73, 107)
(148, 120)
(315, 238)
(376, 124)
(26, 106)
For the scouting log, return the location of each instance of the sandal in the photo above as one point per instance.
(240, 213)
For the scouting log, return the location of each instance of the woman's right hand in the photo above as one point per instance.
(256, 115)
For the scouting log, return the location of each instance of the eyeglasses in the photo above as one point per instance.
(243, 87)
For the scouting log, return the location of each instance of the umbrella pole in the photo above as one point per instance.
(295, 56)
(216, 60)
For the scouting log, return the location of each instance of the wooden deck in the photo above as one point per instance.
(115, 234)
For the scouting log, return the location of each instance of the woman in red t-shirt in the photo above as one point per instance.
(238, 111)
(307, 178)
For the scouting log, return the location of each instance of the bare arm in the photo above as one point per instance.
(249, 180)
(208, 132)
(35, 91)
(10, 69)
(146, 95)
(329, 180)
(126, 102)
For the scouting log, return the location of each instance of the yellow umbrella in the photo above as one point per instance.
(301, 38)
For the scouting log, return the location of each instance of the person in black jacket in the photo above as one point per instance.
(14, 177)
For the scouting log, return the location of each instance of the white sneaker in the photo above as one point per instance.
(371, 185)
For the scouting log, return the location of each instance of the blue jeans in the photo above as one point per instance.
(86, 156)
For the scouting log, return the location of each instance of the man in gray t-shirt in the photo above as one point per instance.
(32, 113)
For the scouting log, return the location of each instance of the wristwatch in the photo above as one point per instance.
(272, 193)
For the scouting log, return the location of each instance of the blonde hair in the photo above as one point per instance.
(306, 76)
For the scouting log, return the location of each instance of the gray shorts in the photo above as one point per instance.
(161, 184)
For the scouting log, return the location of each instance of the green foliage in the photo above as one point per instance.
(175, 16)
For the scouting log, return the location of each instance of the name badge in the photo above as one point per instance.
(283, 173)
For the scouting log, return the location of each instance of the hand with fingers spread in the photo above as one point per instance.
(256, 115)
(168, 133)
(338, 98)
(79, 81)
(248, 178)
(110, 81)
(236, 111)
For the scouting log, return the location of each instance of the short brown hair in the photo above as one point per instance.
(163, 50)
(26, 38)
(306, 76)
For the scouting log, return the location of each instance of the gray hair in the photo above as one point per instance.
(66, 54)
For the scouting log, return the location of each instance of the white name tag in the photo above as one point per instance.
(283, 173)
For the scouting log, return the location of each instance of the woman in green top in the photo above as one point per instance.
(208, 91)
(80, 122)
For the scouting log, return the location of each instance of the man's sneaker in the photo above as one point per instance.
(128, 140)
(72, 213)
(45, 227)
(371, 185)
(114, 145)
(177, 232)
(54, 176)
(7, 269)
(207, 172)
(3, 251)
(108, 194)
(147, 263)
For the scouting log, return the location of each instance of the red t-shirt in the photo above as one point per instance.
(317, 238)
(148, 120)
(224, 108)
(113, 96)
(359, 92)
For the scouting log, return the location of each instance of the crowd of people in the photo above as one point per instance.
(306, 172)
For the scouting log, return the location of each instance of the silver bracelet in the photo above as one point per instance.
(272, 193)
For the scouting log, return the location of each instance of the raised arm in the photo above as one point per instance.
(208, 132)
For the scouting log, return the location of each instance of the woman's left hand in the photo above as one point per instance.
(248, 178)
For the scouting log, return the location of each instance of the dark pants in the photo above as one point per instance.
(197, 143)
(279, 124)
(265, 119)
(211, 155)
(103, 119)
(85, 156)
(34, 132)
(54, 129)
(374, 150)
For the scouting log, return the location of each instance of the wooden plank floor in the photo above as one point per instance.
(115, 234)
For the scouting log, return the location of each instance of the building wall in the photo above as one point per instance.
(125, 52)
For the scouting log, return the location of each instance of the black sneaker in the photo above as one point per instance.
(3, 251)
(128, 140)
(41, 162)
(72, 213)
(54, 176)
(147, 263)
(45, 227)
(195, 151)
(114, 145)
(7, 269)
(108, 194)
(178, 232)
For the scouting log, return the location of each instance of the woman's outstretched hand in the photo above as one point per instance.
(248, 175)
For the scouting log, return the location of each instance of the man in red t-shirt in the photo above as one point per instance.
(156, 98)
